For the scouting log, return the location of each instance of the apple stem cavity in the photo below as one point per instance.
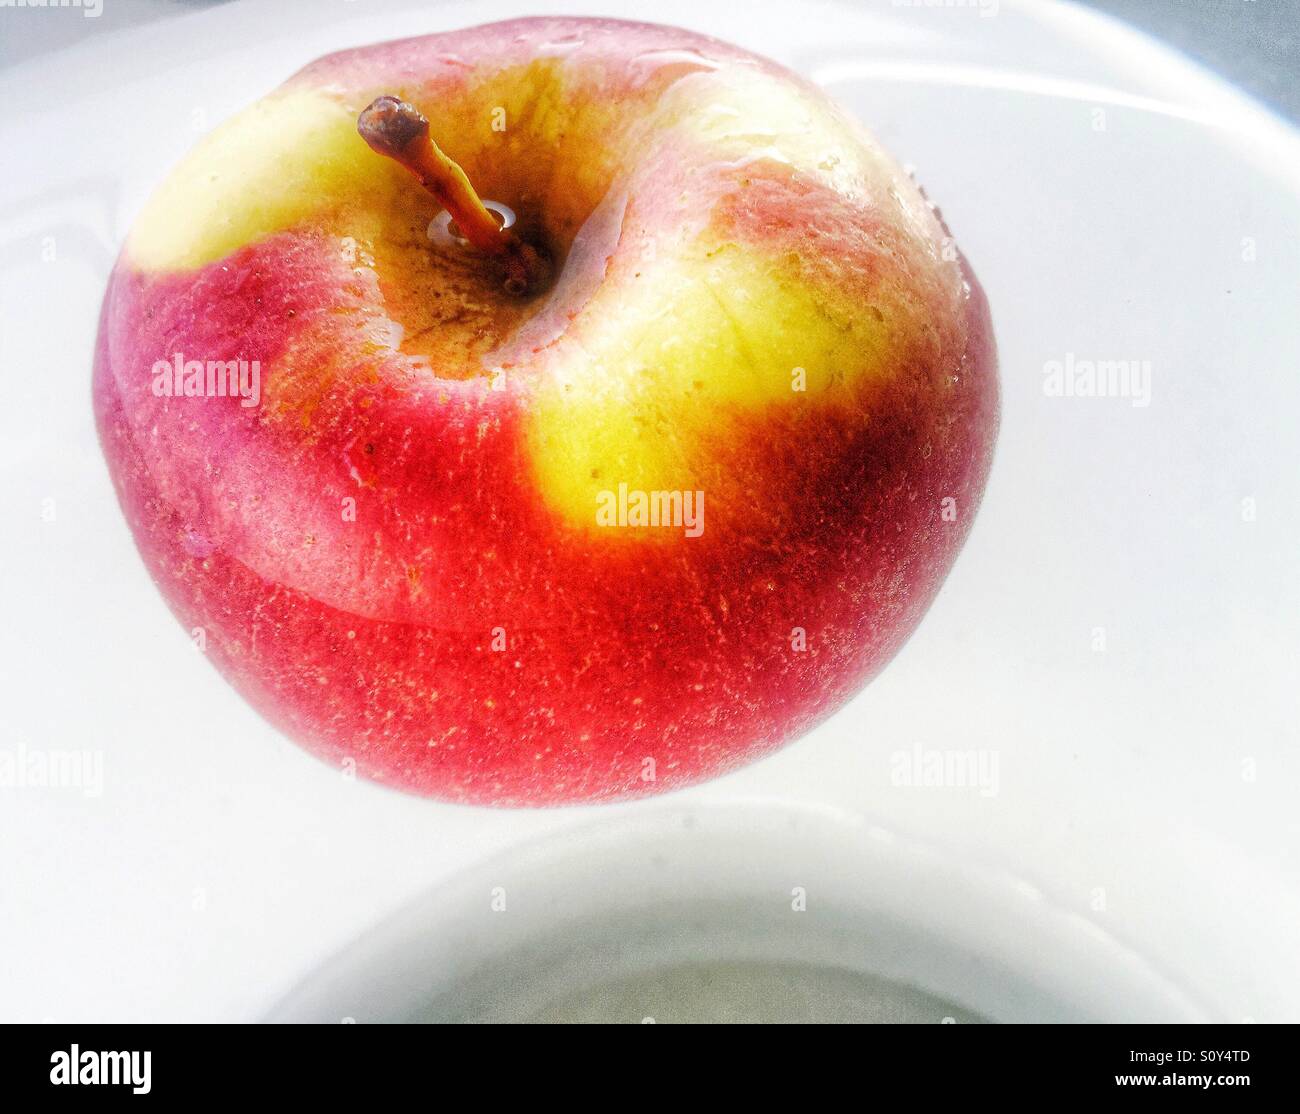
(398, 130)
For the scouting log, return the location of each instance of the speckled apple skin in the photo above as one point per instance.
(631, 665)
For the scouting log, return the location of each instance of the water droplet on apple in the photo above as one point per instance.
(566, 45)
(442, 229)
(677, 57)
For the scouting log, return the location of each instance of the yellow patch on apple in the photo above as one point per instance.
(268, 168)
(645, 396)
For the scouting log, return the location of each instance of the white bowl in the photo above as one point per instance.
(1119, 633)
(744, 913)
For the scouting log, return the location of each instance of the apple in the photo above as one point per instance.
(603, 503)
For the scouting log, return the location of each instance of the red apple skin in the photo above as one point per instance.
(630, 666)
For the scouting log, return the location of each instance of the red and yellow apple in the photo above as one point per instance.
(417, 544)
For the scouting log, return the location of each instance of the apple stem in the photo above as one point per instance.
(400, 131)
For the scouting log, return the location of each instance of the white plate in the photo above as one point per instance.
(1117, 204)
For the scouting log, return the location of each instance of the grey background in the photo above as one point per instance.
(1256, 43)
